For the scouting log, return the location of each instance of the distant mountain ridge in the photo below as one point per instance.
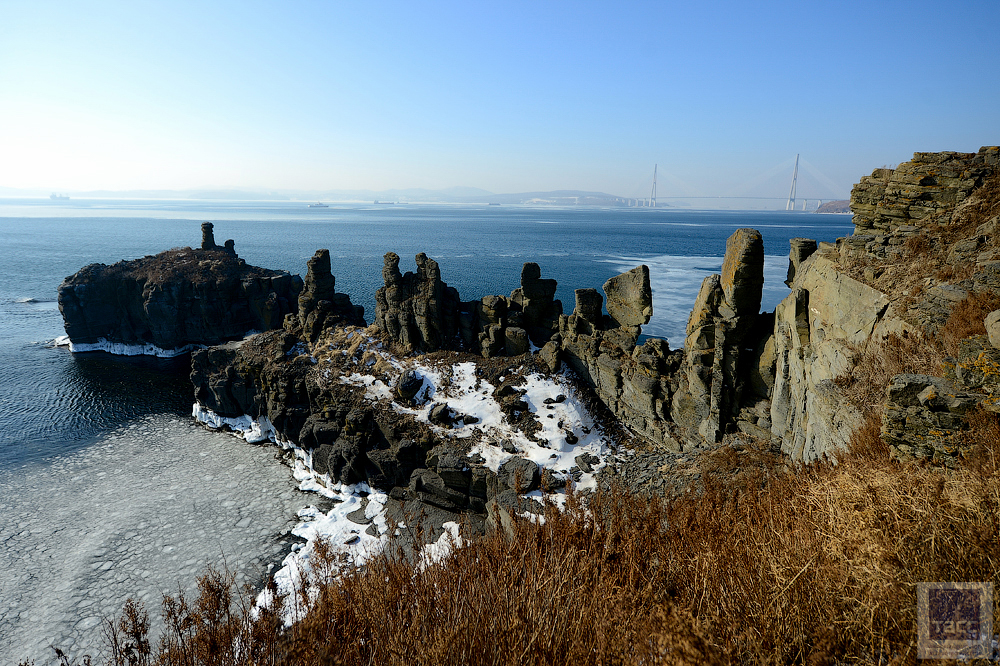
(458, 194)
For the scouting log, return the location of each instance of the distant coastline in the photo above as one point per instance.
(450, 196)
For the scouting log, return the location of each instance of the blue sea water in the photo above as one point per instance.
(53, 402)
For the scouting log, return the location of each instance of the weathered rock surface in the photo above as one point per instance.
(320, 306)
(421, 313)
(350, 437)
(417, 310)
(817, 329)
(713, 376)
(208, 240)
(635, 382)
(801, 249)
(929, 184)
(992, 325)
(630, 298)
(922, 415)
(175, 299)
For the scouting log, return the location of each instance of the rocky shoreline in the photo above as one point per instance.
(459, 411)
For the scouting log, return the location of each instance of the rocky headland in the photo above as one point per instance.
(174, 301)
(781, 378)
(840, 206)
(474, 412)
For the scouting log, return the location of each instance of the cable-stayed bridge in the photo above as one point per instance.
(792, 202)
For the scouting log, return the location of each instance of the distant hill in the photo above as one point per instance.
(456, 195)
(835, 207)
(552, 198)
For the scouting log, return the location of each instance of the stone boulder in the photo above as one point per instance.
(630, 297)
(992, 324)
(519, 474)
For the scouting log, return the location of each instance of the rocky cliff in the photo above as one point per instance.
(174, 300)
(783, 378)
(920, 191)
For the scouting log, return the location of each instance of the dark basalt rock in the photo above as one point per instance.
(177, 298)
(320, 306)
(409, 384)
(421, 313)
(417, 310)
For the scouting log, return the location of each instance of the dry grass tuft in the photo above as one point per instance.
(966, 320)
(878, 361)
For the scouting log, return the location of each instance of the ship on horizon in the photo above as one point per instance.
(318, 204)
(58, 197)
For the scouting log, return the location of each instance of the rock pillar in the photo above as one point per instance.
(207, 236)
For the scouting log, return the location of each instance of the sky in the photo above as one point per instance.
(503, 96)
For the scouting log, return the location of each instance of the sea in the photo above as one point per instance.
(107, 487)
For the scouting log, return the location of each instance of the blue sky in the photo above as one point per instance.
(505, 96)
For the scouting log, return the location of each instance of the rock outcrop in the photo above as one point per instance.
(817, 330)
(417, 310)
(175, 300)
(716, 368)
(925, 187)
(208, 240)
(635, 382)
(630, 297)
(273, 378)
(923, 415)
(772, 376)
(320, 306)
(505, 326)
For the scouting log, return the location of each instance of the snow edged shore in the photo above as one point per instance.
(122, 349)
(551, 401)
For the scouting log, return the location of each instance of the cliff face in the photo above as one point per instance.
(818, 329)
(918, 191)
(175, 299)
(779, 377)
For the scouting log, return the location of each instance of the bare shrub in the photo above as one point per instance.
(918, 246)
(813, 567)
(127, 636)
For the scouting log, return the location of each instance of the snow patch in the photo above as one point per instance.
(353, 544)
(433, 553)
(124, 349)
(253, 430)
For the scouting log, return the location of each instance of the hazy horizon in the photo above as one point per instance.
(505, 97)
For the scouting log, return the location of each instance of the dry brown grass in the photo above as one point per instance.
(878, 361)
(819, 566)
(966, 320)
